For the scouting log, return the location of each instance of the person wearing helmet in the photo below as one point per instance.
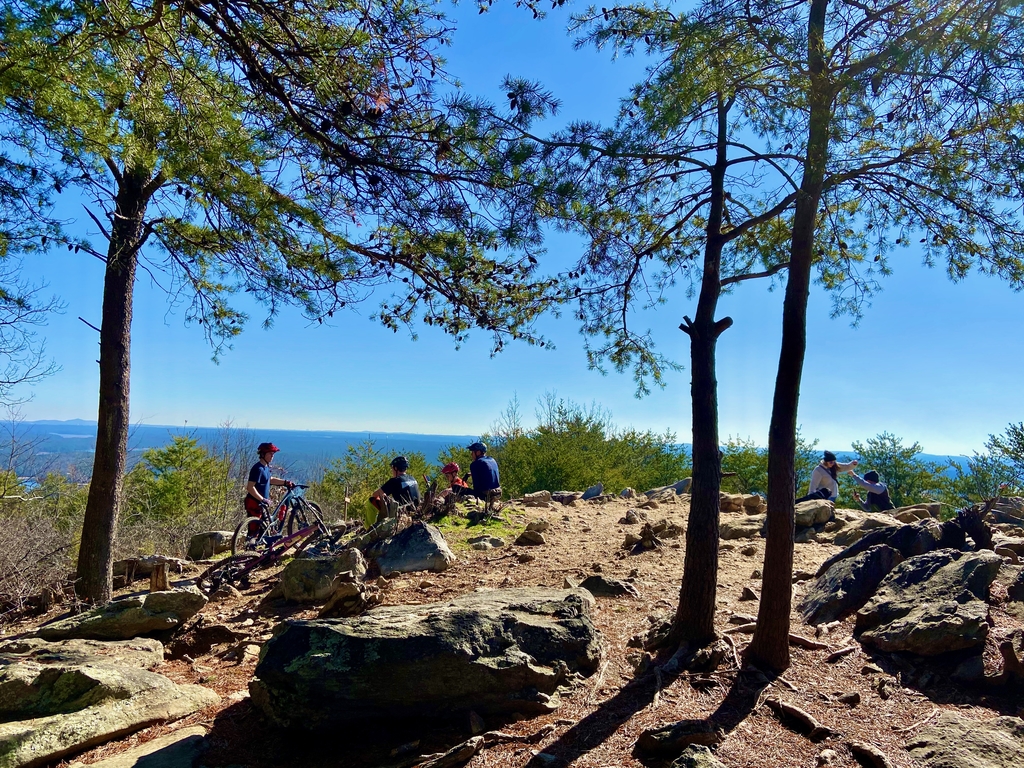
(260, 479)
(483, 470)
(456, 485)
(878, 494)
(402, 487)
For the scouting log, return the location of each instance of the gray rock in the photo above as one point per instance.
(627, 493)
(537, 499)
(142, 567)
(697, 756)
(1015, 590)
(540, 525)
(494, 652)
(205, 545)
(129, 617)
(485, 542)
(314, 579)
(848, 585)
(813, 512)
(969, 671)
(53, 711)
(420, 547)
(956, 741)
(744, 527)
(531, 539)
(180, 749)
(140, 652)
(601, 586)
(931, 604)
(592, 491)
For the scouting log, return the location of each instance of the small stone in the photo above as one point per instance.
(540, 525)
(749, 551)
(851, 699)
(756, 574)
(476, 724)
(596, 567)
(741, 618)
(827, 756)
(586, 529)
(870, 669)
(748, 594)
(526, 557)
(427, 584)
(799, 576)
(569, 583)
(225, 592)
(531, 539)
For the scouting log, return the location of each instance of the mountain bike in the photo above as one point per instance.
(289, 516)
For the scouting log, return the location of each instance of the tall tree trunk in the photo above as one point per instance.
(769, 647)
(95, 554)
(695, 616)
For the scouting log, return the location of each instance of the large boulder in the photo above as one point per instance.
(909, 540)
(420, 547)
(53, 711)
(957, 741)
(495, 652)
(851, 525)
(129, 617)
(314, 579)
(931, 604)
(143, 653)
(848, 585)
(743, 527)
(813, 512)
(205, 545)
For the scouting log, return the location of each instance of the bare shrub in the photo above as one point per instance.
(36, 562)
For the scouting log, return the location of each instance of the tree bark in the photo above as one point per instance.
(695, 615)
(99, 528)
(769, 647)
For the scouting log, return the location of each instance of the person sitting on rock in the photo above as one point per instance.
(824, 483)
(402, 487)
(878, 494)
(484, 471)
(456, 485)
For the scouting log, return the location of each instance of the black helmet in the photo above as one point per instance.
(477, 446)
(400, 463)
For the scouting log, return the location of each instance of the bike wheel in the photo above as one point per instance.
(242, 543)
(303, 516)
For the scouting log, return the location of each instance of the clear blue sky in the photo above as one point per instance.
(931, 361)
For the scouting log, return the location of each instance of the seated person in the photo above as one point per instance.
(824, 479)
(484, 471)
(402, 487)
(456, 485)
(878, 494)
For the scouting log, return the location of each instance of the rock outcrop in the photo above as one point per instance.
(495, 652)
(205, 545)
(129, 617)
(848, 585)
(420, 547)
(931, 604)
(314, 579)
(956, 741)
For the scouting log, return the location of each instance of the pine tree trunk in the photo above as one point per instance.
(695, 615)
(769, 648)
(99, 528)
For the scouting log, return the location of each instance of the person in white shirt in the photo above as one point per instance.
(824, 483)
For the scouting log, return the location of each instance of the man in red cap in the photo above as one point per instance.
(260, 480)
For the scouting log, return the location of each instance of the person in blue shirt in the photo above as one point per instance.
(483, 470)
(257, 489)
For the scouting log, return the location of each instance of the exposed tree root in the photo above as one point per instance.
(790, 713)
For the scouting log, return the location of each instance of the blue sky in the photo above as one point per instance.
(931, 361)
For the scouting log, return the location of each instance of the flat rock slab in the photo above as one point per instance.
(848, 585)
(496, 652)
(129, 617)
(955, 741)
(420, 547)
(141, 652)
(181, 749)
(931, 604)
(741, 527)
(56, 711)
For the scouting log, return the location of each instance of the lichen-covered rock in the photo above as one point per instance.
(957, 741)
(420, 547)
(53, 711)
(848, 585)
(314, 579)
(129, 617)
(496, 652)
(143, 653)
(931, 604)
(209, 543)
(813, 512)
